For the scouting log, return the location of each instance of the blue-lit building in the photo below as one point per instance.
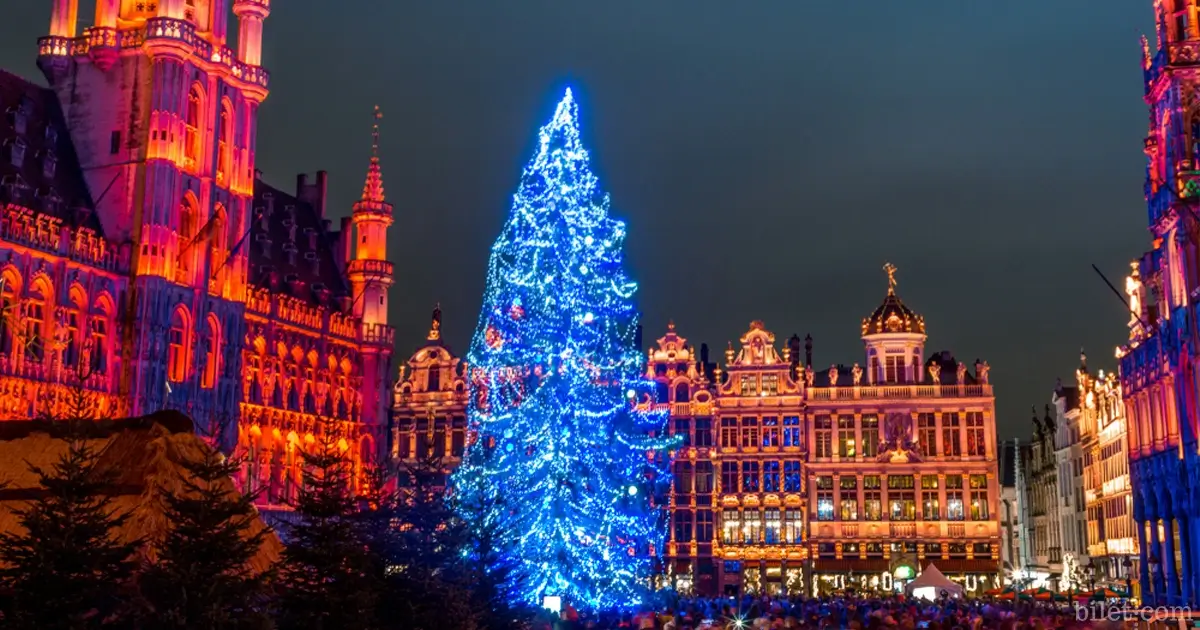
(1157, 365)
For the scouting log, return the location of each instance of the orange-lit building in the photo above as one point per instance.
(429, 404)
(144, 259)
(796, 479)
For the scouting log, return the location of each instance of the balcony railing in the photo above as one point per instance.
(900, 392)
(157, 28)
(370, 267)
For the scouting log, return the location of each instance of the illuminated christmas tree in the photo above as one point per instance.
(562, 454)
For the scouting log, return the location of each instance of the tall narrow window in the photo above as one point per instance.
(729, 477)
(191, 131)
(187, 233)
(35, 322)
(771, 477)
(791, 431)
(71, 348)
(750, 477)
(99, 350)
(951, 444)
(979, 498)
(749, 432)
(9, 335)
(792, 480)
(212, 354)
(846, 441)
(824, 429)
(224, 137)
(177, 346)
(704, 477)
(927, 434)
(770, 431)
(870, 436)
(954, 498)
(976, 439)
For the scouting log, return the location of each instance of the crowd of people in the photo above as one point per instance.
(840, 612)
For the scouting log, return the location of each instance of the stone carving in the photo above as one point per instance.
(833, 376)
(935, 373)
(856, 372)
(962, 373)
(981, 371)
(809, 376)
(898, 445)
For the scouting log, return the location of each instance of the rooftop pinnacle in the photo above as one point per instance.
(373, 188)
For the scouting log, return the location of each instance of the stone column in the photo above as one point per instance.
(1156, 550)
(1172, 571)
(1188, 570)
(1143, 565)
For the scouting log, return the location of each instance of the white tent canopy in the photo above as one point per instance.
(931, 584)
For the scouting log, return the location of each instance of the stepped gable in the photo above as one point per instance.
(47, 178)
(281, 222)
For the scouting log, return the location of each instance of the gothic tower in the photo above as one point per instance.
(163, 116)
(370, 276)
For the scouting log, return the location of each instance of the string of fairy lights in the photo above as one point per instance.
(564, 459)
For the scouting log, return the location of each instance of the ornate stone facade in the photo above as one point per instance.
(794, 479)
(429, 405)
(143, 258)
(1158, 365)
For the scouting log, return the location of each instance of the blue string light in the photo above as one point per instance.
(563, 457)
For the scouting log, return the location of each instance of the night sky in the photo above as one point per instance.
(769, 157)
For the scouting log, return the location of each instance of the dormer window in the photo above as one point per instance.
(49, 163)
(17, 152)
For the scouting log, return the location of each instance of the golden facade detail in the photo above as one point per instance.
(429, 405)
(796, 479)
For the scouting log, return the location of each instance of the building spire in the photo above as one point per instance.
(373, 188)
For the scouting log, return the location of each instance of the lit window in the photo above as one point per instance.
(191, 134)
(177, 349)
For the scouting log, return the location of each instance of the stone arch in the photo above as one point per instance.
(187, 232)
(193, 128)
(225, 135)
(179, 344)
(38, 316)
(213, 342)
(10, 298)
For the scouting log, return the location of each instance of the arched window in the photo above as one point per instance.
(681, 393)
(98, 331)
(10, 289)
(217, 251)
(177, 346)
(212, 354)
(37, 305)
(191, 133)
(224, 144)
(71, 320)
(435, 381)
(187, 233)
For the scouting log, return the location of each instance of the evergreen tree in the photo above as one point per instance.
(417, 538)
(557, 380)
(330, 576)
(203, 578)
(67, 567)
